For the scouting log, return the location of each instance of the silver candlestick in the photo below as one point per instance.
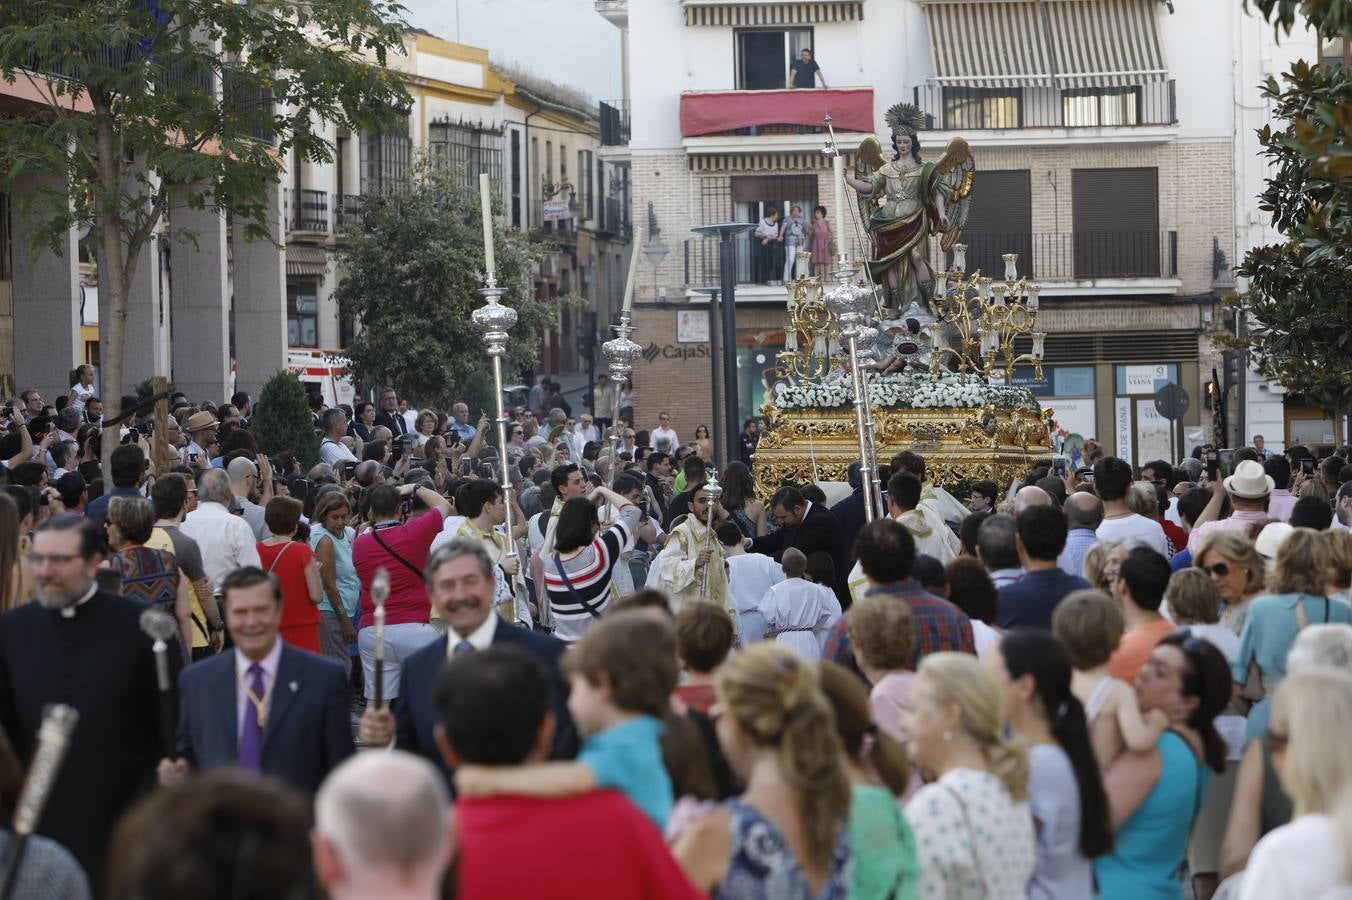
(620, 354)
(715, 491)
(494, 321)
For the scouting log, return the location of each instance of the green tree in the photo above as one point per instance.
(283, 420)
(144, 101)
(1298, 298)
(411, 274)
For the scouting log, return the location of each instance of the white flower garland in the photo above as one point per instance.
(905, 390)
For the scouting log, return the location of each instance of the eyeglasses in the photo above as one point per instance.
(55, 559)
(1220, 570)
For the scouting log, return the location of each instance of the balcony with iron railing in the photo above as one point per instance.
(715, 114)
(307, 211)
(1053, 259)
(614, 116)
(970, 108)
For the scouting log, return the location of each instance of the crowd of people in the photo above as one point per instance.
(1124, 681)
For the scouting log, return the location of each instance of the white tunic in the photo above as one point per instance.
(799, 614)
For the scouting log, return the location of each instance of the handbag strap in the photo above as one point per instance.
(572, 591)
(280, 553)
(412, 568)
(971, 836)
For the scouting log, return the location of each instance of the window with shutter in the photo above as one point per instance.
(1001, 222)
(1117, 223)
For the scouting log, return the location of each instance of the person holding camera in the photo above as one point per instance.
(399, 543)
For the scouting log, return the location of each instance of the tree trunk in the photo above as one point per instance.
(115, 272)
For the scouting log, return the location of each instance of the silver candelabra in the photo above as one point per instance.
(494, 321)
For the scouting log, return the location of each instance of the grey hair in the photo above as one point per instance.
(457, 548)
(213, 486)
(1326, 645)
(386, 811)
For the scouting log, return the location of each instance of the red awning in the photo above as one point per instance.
(714, 112)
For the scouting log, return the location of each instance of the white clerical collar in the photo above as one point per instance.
(68, 612)
(480, 638)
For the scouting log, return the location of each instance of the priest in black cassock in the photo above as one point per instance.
(83, 647)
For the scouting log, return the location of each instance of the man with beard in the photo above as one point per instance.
(460, 582)
(691, 551)
(82, 647)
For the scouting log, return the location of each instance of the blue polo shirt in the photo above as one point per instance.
(628, 758)
(1032, 599)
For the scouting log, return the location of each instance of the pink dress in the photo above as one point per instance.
(821, 242)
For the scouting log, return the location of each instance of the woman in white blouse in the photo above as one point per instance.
(1309, 734)
(973, 826)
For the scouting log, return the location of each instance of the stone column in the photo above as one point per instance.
(259, 273)
(46, 303)
(201, 304)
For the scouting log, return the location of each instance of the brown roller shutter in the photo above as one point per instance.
(1001, 221)
(1117, 223)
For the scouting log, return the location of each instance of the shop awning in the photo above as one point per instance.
(1105, 43)
(1002, 44)
(305, 260)
(1066, 43)
(752, 13)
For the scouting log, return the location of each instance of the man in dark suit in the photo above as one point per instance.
(850, 511)
(460, 584)
(82, 647)
(389, 414)
(809, 527)
(266, 707)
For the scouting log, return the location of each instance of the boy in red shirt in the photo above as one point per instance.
(494, 706)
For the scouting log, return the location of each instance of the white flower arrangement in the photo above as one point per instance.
(905, 390)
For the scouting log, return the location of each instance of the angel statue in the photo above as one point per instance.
(905, 201)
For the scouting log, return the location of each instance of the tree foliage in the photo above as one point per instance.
(282, 420)
(412, 268)
(189, 101)
(1298, 296)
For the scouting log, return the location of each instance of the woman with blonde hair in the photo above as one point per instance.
(1340, 557)
(973, 825)
(1310, 732)
(1260, 805)
(785, 836)
(1297, 595)
(1235, 568)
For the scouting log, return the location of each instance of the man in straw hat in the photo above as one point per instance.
(1249, 489)
(201, 428)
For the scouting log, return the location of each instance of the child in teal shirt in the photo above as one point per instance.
(622, 674)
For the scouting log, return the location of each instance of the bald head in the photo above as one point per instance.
(1084, 510)
(1031, 495)
(239, 470)
(381, 819)
(366, 472)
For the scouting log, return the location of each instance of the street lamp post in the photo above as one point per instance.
(712, 294)
(727, 265)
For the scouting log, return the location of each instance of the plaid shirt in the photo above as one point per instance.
(939, 625)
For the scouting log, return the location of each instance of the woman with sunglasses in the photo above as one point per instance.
(1154, 796)
(1308, 738)
(1297, 595)
(1228, 558)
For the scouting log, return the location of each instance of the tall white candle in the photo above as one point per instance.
(838, 168)
(633, 274)
(485, 201)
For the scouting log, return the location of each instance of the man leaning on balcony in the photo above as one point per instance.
(804, 71)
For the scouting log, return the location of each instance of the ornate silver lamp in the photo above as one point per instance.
(494, 321)
(620, 354)
(850, 303)
(715, 491)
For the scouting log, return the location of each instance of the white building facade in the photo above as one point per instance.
(1106, 135)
